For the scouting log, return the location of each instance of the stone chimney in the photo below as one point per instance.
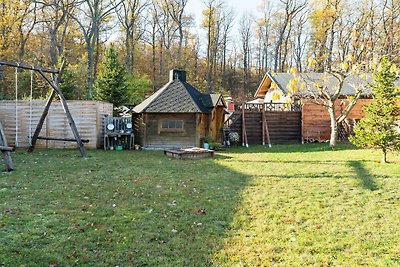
(177, 74)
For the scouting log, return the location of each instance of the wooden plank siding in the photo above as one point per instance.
(88, 116)
(316, 122)
(148, 135)
(161, 139)
(284, 127)
(217, 124)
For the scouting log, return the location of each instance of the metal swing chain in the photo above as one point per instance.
(30, 110)
(16, 106)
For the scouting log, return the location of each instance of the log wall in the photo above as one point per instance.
(88, 116)
(316, 122)
(155, 139)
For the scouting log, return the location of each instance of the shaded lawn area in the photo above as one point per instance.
(289, 205)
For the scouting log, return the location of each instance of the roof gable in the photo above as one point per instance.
(175, 97)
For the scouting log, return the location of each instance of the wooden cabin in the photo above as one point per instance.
(178, 115)
(315, 121)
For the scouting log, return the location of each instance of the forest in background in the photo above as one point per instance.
(227, 53)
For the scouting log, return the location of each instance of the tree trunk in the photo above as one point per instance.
(53, 47)
(90, 72)
(153, 60)
(334, 134)
(133, 57)
(96, 57)
(383, 159)
(128, 52)
(161, 59)
(180, 44)
(334, 126)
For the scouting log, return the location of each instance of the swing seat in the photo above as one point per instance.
(61, 139)
(6, 148)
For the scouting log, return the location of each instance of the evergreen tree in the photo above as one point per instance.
(111, 84)
(68, 84)
(138, 87)
(378, 128)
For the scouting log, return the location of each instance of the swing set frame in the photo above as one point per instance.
(54, 83)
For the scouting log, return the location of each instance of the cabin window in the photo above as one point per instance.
(171, 126)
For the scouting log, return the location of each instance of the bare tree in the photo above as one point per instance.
(90, 16)
(390, 15)
(246, 24)
(264, 25)
(291, 9)
(300, 41)
(54, 14)
(166, 29)
(25, 22)
(176, 9)
(129, 15)
(210, 23)
(151, 39)
(227, 18)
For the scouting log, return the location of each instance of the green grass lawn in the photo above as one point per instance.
(285, 206)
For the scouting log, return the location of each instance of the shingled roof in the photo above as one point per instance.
(177, 96)
(282, 80)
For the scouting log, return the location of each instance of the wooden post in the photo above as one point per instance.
(266, 129)
(48, 104)
(244, 133)
(64, 104)
(6, 151)
(26, 67)
(7, 160)
(145, 129)
(263, 124)
(41, 121)
(198, 143)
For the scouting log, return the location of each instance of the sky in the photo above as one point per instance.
(196, 7)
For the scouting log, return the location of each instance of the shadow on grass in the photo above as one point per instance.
(367, 180)
(118, 208)
(311, 162)
(290, 148)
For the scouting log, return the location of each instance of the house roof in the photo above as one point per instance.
(218, 100)
(256, 101)
(282, 80)
(178, 97)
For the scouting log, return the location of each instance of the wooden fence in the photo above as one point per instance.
(283, 126)
(19, 122)
(271, 107)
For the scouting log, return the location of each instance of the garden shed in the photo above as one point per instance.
(178, 115)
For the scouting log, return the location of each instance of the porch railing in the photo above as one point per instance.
(271, 107)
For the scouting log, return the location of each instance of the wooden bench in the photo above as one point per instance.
(5, 150)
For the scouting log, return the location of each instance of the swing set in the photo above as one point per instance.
(54, 83)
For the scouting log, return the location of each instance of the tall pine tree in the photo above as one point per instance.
(68, 84)
(111, 84)
(378, 129)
